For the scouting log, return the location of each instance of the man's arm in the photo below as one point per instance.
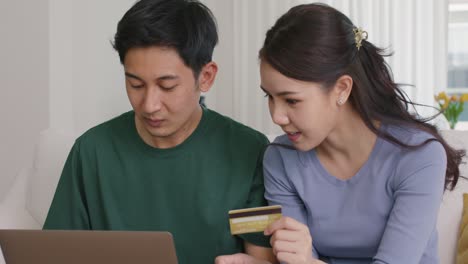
(68, 208)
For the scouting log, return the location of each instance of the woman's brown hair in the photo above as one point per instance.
(316, 43)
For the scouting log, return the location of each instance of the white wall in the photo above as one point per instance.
(415, 30)
(87, 81)
(58, 68)
(24, 62)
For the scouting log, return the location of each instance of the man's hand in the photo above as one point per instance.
(291, 241)
(239, 258)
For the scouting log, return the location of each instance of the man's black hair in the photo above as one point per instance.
(187, 26)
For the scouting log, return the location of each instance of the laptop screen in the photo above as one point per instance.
(92, 247)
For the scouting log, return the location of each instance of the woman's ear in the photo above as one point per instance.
(342, 89)
(207, 76)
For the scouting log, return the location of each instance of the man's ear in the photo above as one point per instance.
(207, 76)
(342, 89)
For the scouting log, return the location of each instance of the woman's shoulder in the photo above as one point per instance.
(282, 151)
(281, 145)
(408, 135)
(424, 148)
(277, 144)
(282, 139)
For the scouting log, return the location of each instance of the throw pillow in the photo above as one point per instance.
(462, 252)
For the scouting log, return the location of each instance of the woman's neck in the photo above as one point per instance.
(348, 146)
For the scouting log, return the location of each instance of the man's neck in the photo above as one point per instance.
(175, 139)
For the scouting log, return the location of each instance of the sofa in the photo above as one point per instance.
(26, 204)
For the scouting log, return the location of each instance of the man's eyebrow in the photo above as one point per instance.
(168, 77)
(280, 93)
(162, 78)
(129, 75)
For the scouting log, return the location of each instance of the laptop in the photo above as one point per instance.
(91, 247)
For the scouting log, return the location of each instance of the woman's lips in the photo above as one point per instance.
(294, 136)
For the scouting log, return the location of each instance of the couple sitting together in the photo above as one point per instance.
(359, 178)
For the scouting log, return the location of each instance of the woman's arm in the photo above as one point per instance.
(279, 190)
(418, 184)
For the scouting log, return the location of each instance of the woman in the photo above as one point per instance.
(359, 177)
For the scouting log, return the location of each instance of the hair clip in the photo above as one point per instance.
(359, 36)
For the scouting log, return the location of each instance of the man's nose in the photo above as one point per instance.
(152, 100)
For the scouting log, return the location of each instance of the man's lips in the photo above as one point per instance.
(154, 122)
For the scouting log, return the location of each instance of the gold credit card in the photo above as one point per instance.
(252, 220)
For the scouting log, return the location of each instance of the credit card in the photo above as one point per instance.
(251, 220)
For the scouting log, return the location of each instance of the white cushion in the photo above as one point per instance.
(50, 156)
(13, 214)
(450, 212)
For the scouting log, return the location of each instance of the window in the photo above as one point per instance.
(457, 64)
(458, 47)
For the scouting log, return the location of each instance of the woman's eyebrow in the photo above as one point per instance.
(279, 93)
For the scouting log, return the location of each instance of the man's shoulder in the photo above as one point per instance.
(107, 129)
(234, 130)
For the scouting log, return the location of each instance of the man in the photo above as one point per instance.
(170, 164)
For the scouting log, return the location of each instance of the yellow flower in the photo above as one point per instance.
(442, 99)
(441, 96)
(451, 106)
(464, 98)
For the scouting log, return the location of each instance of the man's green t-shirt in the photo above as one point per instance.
(113, 180)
